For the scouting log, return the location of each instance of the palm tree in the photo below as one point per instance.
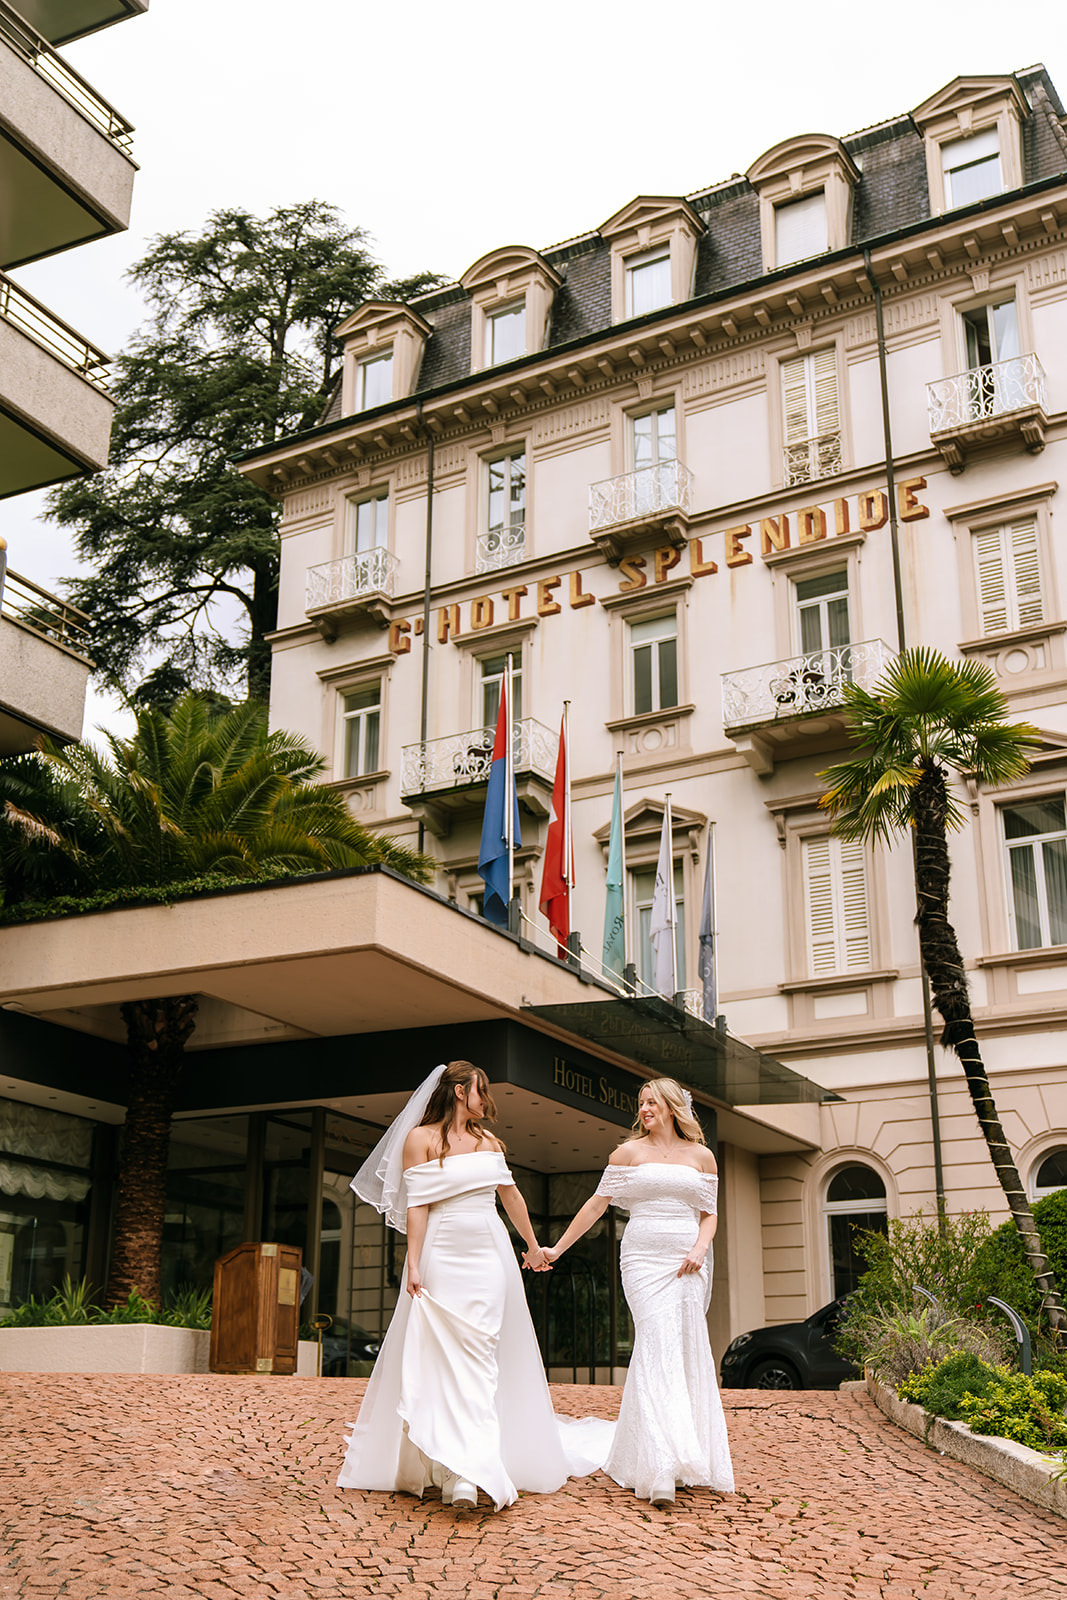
(191, 798)
(930, 720)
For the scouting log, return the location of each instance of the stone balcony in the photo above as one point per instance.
(355, 586)
(444, 778)
(987, 405)
(782, 707)
(627, 511)
(44, 668)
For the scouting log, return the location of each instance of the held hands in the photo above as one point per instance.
(693, 1261)
(537, 1260)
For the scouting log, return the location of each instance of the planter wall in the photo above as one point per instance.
(124, 1347)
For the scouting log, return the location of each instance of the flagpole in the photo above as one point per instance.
(568, 837)
(509, 781)
(714, 919)
(627, 959)
(670, 899)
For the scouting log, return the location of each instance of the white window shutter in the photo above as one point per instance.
(835, 896)
(1022, 537)
(824, 383)
(989, 571)
(795, 400)
(819, 898)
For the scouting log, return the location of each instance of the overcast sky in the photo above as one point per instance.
(445, 131)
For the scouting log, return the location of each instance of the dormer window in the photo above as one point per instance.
(971, 168)
(800, 229)
(511, 292)
(648, 283)
(505, 335)
(374, 385)
(653, 254)
(383, 343)
(973, 133)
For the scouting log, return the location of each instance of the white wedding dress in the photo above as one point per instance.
(671, 1429)
(458, 1389)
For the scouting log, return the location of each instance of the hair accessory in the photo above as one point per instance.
(380, 1180)
(688, 1098)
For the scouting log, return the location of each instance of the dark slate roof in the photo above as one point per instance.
(892, 193)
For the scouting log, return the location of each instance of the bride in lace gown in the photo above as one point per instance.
(458, 1396)
(671, 1429)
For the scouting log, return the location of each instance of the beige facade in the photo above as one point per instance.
(679, 519)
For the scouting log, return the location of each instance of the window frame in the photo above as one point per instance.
(988, 132)
(798, 819)
(374, 358)
(656, 708)
(492, 458)
(490, 317)
(1056, 1148)
(353, 503)
(777, 432)
(793, 202)
(346, 719)
(979, 516)
(847, 1208)
(640, 261)
(635, 906)
(1003, 805)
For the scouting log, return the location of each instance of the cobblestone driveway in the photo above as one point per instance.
(216, 1488)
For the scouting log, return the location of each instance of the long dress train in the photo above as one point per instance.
(458, 1389)
(671, 1428)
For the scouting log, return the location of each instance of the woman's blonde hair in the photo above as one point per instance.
(444, 1103)
(671, 1095)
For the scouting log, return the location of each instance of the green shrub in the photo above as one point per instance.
(187, 1308)
(897, 1344)
(940, 1388)
(72, 1305)
(134, 1309)
(1028, 1410)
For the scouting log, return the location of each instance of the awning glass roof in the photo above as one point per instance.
(669, 1043)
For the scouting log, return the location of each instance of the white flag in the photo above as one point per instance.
(661, 929)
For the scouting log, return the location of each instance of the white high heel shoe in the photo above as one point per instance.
(464, 1495)
(662, 1496)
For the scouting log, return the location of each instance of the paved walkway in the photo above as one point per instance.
(216, 1488)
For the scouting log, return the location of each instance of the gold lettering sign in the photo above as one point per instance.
(776, 533)
(287, 1286)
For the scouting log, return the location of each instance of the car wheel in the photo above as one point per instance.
(774, 1374)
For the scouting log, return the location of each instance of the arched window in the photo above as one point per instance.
(1049, 1174)
(855, 1202)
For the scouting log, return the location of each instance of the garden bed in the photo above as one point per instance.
(119, 1347)
(1027, 1472)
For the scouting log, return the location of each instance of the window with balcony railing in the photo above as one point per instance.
(502, 541)
(811, 424)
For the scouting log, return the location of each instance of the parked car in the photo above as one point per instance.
(793, 1355)
(341, 1359)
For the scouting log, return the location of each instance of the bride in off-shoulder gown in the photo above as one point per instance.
(671, 1428)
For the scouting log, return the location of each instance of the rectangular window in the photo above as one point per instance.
(1035, 832)
(362, 719)
(654, 437)
(971, 168)
(800, 229)
(505, 335)
(368, 524)
(375, 387)
(811, 422)
(1008, 577)
(493, 669)
(504, 538)
(822, 612)
(835, 904)
(654, 654)
(643, 882)
(991, 334)
(648, 283)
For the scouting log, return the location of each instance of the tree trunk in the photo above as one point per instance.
(157, 1032)
(944, 967)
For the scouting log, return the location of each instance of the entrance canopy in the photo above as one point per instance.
(655, 1035)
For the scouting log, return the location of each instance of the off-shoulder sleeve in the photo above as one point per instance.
(709, 1194)
(615, 1185)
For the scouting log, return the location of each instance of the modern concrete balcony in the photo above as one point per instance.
(44, 669)
(784, 707)
(66, 169)
(445, 778)
(628, 510)
(986, 405)
(354, 586)
(60, 21)
(55, 413)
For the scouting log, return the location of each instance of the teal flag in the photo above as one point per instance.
(614, 913)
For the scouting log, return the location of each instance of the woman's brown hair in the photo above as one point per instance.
(444, 1103)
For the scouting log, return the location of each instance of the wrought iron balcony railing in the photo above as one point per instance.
(983, 392)
(61, 341)
(38, 53)
(26, 602)
(501, 547)
(463, 759)
(645, 493)
(808, 459)
(802, 684)
(336, 583)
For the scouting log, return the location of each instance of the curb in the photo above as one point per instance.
(1027, 1472)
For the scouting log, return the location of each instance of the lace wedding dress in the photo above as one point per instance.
(671, 1429)
(458, 1389)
